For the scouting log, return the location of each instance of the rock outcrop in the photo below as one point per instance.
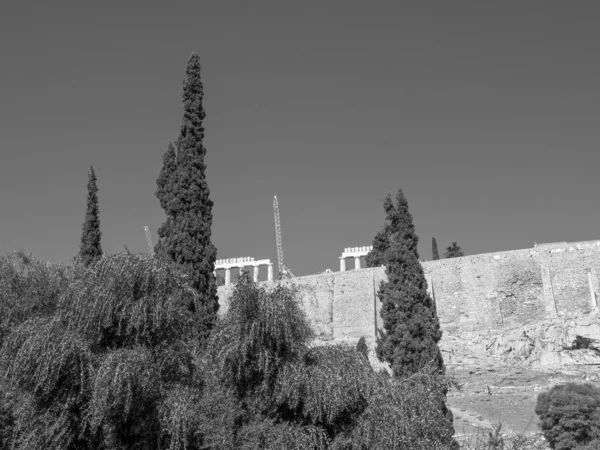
(565, 343)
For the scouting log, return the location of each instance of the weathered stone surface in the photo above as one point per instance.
(548, 345)
(508, 308)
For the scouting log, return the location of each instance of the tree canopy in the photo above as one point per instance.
(454, 251)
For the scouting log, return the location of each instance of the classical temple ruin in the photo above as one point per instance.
(490, 291)
(241, 264)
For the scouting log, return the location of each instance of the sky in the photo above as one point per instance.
(486, 115)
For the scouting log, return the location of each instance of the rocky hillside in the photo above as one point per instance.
(566, 344)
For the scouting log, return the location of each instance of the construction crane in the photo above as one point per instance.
(149, 240)
(284, 272)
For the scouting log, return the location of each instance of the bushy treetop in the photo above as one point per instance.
(454, 251)
(570, 416)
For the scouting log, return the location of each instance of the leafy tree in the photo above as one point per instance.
(185, 236)
(454, 251)
(434, 249)
(115, 363)
(90, 249)
(292, 395)
(406, 414)
(28, 288)
(570, 416)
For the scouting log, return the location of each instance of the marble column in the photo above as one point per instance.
(342, 264)
(270, 272)
(255, 277)
(227, 276)
(357, 262)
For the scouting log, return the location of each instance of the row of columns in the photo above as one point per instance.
(241, 263)
(353, 252)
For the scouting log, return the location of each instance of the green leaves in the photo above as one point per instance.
(125, 299)
(42, 357)
(327, 386)
(261, 331)
(120, 337)
(125, 381)
(570, 415)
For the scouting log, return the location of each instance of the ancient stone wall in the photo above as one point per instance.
(489, 291)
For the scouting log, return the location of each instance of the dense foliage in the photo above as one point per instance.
(116, 352)
(570, 416)
(454, 251)
(28, 288)
(101, 367)
(411, 328)
(434, 249)
(398, 221)
(112, 361)
(90, 249)
(185, 236)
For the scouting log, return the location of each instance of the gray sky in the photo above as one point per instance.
(484, 113)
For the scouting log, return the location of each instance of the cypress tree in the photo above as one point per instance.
(90, 249)
(411, 330)
(398, 220)
(434, 249)
(454, 251)
(185, 237)
(381, 241)
(167, 179)
(165, 192)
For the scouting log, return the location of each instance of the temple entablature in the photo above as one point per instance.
(356, 253)
(241, 263)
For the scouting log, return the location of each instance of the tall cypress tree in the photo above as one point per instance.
(165, 192)
(167, 179)
(411, 329)
(397, 219)
(90, 249)
(434, 249)
(381, 241)
(185, 237)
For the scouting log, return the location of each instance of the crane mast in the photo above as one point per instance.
(149, 241)
(283, 271)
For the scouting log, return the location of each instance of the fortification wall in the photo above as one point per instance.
(473, 293)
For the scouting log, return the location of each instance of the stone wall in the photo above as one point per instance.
(489, 291)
